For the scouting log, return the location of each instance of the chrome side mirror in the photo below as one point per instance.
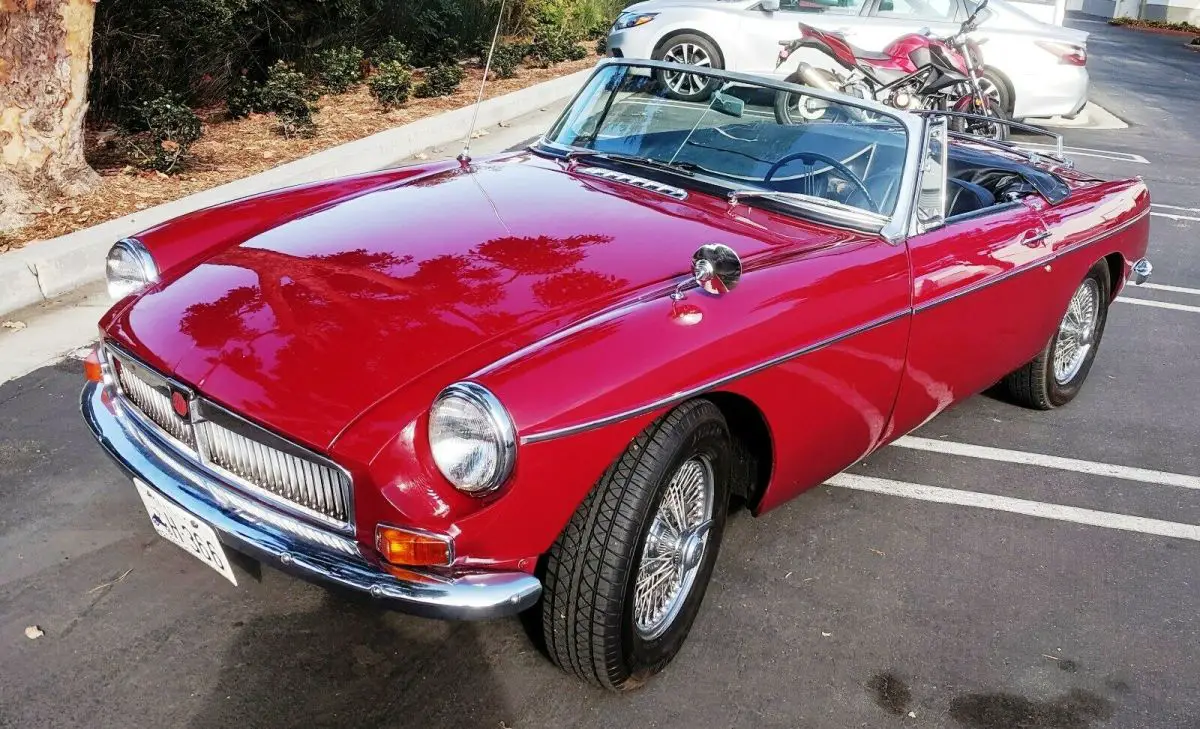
(716, 268)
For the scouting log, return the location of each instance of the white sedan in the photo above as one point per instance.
(1033, 69)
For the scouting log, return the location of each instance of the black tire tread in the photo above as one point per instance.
(1031, 385)
(588, 567)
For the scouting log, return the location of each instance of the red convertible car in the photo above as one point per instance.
(537, 381)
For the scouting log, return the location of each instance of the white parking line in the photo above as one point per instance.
(1174, 207)
(1129, 473)
(1175, 216)
(1159, 304)
(1057, 512)
(1165, 287)
(1087, 152)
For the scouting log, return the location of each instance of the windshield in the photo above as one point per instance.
(842, 159)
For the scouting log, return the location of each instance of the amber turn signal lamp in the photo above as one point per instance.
(412, 548)
(93, 369)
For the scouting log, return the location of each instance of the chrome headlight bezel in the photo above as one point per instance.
(632, 20)
(502, 437)
(129, 268)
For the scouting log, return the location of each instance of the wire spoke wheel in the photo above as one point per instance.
(1077, 332)
(674, 548)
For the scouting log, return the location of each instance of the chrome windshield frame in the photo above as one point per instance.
(894, 231)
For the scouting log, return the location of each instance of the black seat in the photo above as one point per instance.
(964, 197)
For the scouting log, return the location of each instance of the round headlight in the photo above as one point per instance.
(472, 437)
(129, 268)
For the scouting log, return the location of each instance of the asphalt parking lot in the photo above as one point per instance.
(845, 608)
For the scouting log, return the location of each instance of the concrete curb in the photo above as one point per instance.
(51, 268)
(1092, 116)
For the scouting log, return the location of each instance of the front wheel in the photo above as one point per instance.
(691, 50)
(625, 579)
(1056, 375)
(981, 127)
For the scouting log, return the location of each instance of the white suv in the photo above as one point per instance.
(1033, 69)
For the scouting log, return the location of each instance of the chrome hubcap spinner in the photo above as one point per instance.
(674, 548)
(1077, 332)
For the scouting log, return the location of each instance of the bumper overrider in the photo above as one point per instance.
(286, 543)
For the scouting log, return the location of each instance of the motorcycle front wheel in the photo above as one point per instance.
(986, 129)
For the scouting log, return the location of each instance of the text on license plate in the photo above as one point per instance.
(178, 526)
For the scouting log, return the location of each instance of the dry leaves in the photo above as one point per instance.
(232, 149)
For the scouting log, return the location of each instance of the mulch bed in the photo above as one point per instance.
(237, 148)
(1155, 29)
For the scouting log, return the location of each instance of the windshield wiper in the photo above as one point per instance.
(688, 169)
(735, 195)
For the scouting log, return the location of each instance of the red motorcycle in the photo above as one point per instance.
(915, 71)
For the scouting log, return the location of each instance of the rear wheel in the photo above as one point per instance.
(692, 50)
(625, 579)
(1056, 375)
(800, 108)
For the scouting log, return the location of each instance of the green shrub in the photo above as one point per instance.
(552, 45)
(392, 51)
(599, 31)
(197, 49)
(441, 80)
(506, 59)
(161, 132)
(339, 68)
(289, 95)
(602, 45)
(244, 98)
(391, 84)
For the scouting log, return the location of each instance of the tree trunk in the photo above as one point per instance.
(45, 57)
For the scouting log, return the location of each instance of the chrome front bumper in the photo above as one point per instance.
(288, 544)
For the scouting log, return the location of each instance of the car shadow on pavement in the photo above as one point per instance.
(350, 664)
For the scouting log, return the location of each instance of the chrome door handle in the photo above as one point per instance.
(1034, 240)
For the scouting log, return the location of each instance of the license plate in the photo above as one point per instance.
(181, 528)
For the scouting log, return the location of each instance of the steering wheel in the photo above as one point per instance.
(845, 171)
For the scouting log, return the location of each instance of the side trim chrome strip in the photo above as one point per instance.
(692, 392)
(700, 389)
(979, 285)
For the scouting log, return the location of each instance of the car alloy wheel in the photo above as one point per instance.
(690, 54)
(674, 548)
(1077, 331)
(691, 49)
(991, 91)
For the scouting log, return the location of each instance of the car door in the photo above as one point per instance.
(981, 300)
(886, 20)
(764, 30)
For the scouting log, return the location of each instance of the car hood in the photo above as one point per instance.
(305, 326)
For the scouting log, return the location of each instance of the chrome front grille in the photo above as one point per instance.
(244, 455)
(317, 487)
(151, 394)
